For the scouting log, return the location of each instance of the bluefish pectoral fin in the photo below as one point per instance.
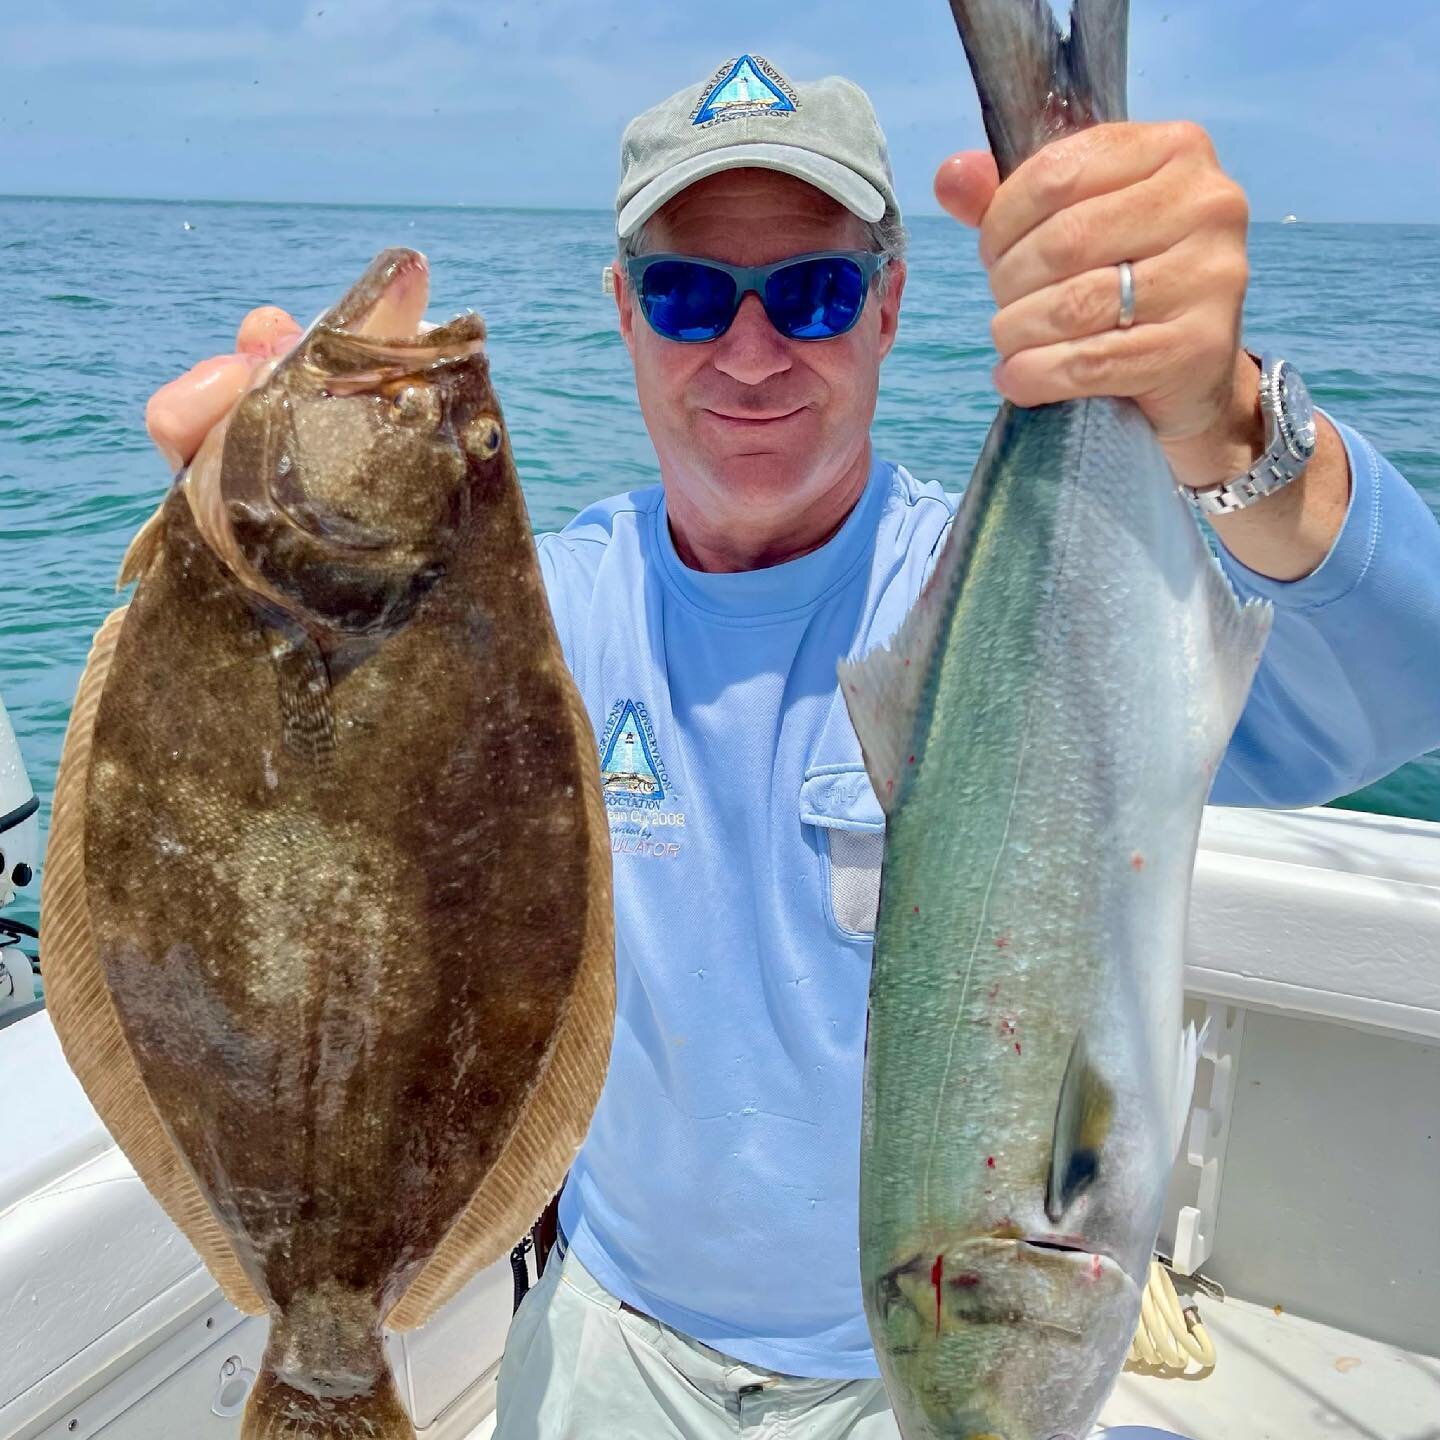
(1236, 637)
(1082, 1119)
(1035, 84)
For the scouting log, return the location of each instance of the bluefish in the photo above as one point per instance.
(1042, 732)
(327, 911)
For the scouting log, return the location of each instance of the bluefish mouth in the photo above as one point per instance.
(1067, 1250)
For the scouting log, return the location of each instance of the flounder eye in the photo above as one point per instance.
(482, 436)
(417, 403)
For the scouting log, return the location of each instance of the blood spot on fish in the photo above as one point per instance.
(889, 787)
(1017, 1047)
(1007, 1025)
(912, 760)
(1137, 862)
(990, 1161)
(1002, 942)
(916, 909)
(965, 1280)
(937, 1274)
(907, 662)
(1095, 1267)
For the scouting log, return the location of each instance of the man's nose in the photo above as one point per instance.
(751, 350)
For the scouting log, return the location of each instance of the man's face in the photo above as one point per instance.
(753, 429)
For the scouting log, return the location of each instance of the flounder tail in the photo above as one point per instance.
(348, 1394)
(281, 1411)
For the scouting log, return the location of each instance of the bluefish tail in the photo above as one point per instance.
(320, 1408)
(1035, 84)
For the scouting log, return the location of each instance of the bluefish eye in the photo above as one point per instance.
(482, 436)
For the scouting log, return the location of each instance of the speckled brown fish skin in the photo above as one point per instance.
(344, 859)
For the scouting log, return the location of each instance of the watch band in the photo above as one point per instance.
(1263, 478)
(1277, 465)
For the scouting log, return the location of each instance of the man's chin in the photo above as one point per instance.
(788, 441)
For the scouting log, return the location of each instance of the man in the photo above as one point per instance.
(710, 1285)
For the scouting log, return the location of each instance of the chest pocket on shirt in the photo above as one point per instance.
(839, 800)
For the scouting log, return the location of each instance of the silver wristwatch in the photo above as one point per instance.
(1290, 424)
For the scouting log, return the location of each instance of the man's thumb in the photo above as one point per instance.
(966, 183)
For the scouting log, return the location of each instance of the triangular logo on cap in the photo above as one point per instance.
(751, 86)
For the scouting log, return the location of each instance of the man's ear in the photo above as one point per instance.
(620, 287)
(890, 305)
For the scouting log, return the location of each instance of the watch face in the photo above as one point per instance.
(1296, 413)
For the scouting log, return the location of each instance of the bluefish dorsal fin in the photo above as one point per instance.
(884, 690)
(1082, 1120)
(1035, 84)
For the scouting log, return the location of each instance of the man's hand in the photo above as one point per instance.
(1051, 238)
(182, 413)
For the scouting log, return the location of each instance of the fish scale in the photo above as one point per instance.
(1042, 733)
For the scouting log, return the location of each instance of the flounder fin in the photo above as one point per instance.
(1036, 84)
(143, 550)
(83, 1012)
(550, 1129)
(303, 686)
(1082, 1119)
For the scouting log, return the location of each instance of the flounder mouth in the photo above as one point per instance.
(373, 335)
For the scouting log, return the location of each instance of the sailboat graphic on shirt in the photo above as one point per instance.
(628, 761)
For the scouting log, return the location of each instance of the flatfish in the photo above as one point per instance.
(327, 910)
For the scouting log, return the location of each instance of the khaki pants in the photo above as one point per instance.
(578, 1366)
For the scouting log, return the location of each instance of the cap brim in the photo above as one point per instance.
(838, 181)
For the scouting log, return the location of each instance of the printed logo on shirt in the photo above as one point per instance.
(636, 786)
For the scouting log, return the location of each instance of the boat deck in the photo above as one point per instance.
(1281, 1377)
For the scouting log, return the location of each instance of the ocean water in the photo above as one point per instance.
(106, 300)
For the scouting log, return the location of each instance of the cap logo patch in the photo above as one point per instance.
(749, 86)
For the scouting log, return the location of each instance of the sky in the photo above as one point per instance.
(1325, 108)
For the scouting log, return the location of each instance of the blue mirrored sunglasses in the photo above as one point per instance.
(807, 297)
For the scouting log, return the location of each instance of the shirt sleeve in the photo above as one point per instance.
(553, 572)
(1349, 685)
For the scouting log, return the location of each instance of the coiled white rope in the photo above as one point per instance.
(1169, 1340)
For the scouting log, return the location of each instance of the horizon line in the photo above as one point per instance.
(935, 214)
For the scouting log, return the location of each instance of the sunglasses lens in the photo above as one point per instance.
(687, 301)
(815, 299)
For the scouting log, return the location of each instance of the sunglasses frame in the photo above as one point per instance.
(752, 278)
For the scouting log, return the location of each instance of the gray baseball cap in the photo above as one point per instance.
(748, 114)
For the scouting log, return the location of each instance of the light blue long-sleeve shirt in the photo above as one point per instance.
(718, 1186)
